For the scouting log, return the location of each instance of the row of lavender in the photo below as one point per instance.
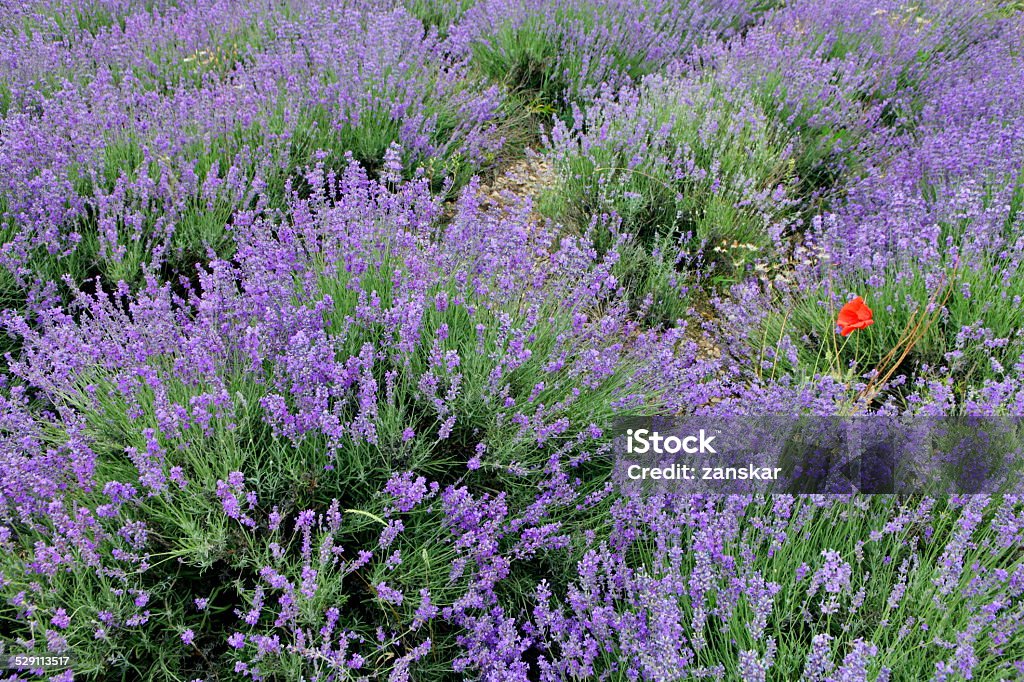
(362, 440)
(133, 131)
(132, 143)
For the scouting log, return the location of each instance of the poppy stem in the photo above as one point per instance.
(838, 368)
(932, 311)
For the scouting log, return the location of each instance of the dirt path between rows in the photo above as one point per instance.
(525, 178)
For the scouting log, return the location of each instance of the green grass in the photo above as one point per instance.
(843, 528)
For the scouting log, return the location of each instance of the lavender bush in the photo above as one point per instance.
(562, 50)
(680, 157)
(350, 344)
(287, 396)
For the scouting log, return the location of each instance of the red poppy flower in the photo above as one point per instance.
(855, 315)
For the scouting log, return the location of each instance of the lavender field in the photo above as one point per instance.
(317, 314)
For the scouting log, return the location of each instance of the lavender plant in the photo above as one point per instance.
(560, 51)
(683, 156)
(285, 396)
